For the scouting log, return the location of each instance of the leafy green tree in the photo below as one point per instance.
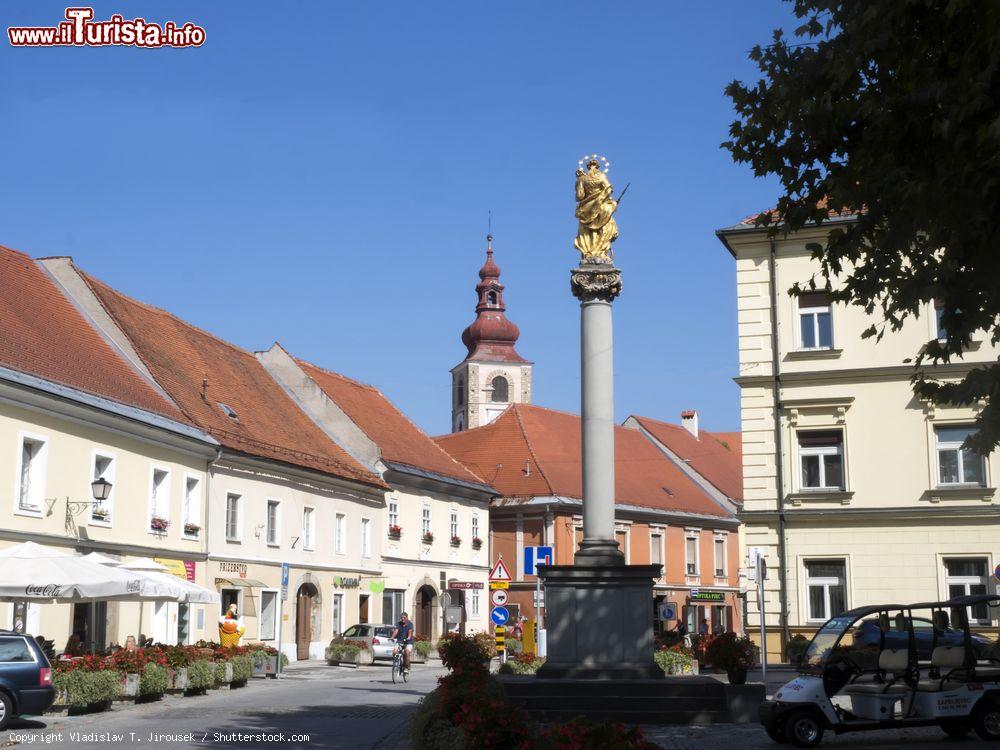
(889, 111)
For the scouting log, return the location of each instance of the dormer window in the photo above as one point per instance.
(229, 411)
(500, 390)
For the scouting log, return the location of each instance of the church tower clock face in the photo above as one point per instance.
(493, 375)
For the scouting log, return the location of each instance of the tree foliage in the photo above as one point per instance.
(889, 111)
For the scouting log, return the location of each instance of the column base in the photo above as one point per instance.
(599, 621)
(598, 552)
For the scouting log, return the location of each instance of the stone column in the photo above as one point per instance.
(596, 286)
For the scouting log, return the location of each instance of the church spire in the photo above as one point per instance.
(491, 337)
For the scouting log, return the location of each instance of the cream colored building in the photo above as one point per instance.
(71, 411)
(872, 499)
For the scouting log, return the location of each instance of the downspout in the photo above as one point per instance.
(779, 473)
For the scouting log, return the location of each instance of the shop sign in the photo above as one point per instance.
(466, 585)
(234, 567)
(376, 585)
(718, 597)
(181, 568)
(341, 582)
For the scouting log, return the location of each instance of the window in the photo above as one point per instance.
(183, 623)
(815, 325)
(104, 468)
(393, 513)
(656, 548)
(268, 614)
(273, 516)
(826, 587)
(720, 556)
(942, 334)
(821, 454)
(473, 599)
(229, 597)
(425, 520)
(957, 465)
(500, 389)
(453, 525)
(967, 576)
(191, 506)
(691, 553)
(159, 499)
(339, 534)
(491, 298)
(31, 474)
(232, 517)
(338, 613)
(475, 527)
(15, 649)
(366, 537)
(309, 528)
(460, 392)
(392, 606)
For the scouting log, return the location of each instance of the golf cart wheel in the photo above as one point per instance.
(777, 733)
(6, 710)
(986, 721)
(804, 729)
(956, 728)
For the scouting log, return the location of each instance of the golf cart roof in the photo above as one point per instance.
(871, 609)
(958, 601)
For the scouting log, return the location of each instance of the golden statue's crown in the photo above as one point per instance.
(601, 161)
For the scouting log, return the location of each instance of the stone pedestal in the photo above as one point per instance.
(600, 622)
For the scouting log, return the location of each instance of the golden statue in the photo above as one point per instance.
(595, 209)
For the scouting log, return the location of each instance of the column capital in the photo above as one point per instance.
(591, 282)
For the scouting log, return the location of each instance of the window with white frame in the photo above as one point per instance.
(338, 614)
(233, 517)
(340, 534)
(366, 537)
(272, 520)
(821, 458)
(826, 589)
(968, 576)
(191, 506)
(656, 547)
(425, 520)
(159, 499)
(815, 321)
(472, 596)
(393, 513)
(719, 547)
(475, 528)
(104, 468)
(958, 465)
(31, 474)
(269, 605)
(308, 528)
(453, 524)
(691, 553)
(939, 328)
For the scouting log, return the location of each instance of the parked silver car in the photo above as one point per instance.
(378, 638)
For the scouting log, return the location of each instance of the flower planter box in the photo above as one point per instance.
(130, 687)
(179, 679)
(265, 665)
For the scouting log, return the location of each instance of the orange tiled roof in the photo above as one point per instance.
(43, 334)
(399, 440)
(268, 423)
(717, 456)
(532, 451)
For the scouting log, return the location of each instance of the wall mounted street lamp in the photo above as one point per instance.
(100, 488)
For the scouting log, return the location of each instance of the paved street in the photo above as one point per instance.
(355, 709)
(336, 707)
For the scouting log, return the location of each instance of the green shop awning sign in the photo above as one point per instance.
(707, 596)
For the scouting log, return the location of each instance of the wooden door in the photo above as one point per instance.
(363, 608)
(424, 614)
(303, 623)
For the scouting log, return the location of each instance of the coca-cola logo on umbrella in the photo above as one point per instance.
(37, 589)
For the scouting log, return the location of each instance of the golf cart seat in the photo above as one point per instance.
(946, 661)
(890, 661)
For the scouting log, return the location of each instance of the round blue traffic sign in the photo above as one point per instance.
(500, 615)
(996, 572)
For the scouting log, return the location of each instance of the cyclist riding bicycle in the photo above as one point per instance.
(403, 635)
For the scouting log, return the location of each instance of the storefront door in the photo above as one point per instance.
(303, 620)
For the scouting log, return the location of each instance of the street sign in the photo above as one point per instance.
(538, 599)
(499, 585)
(668, 611)
(498, 597)
(284, 581)
(537, 556)
(996, 572)
(499, 571)
(500, 635)
(500, 615)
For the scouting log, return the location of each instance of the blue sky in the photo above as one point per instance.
(319, 173)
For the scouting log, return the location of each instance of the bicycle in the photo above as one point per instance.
(397, 665)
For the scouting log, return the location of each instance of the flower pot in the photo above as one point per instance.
(180, 679)
(737, 675)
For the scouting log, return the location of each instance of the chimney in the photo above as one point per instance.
(689, 421)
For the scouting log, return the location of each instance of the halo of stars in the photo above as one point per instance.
(605, 164)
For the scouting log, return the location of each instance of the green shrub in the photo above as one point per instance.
(423, 648)
(201, 675)
(430, 730)
(521, 664)
(674, 662)
(796, 648)
(342, 652)
(153, 680)
(242, 668)
(284, 660)
(513, 645)
(83, 688)
(220, 673)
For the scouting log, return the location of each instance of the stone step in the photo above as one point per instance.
(678, 687)
(627, 717)
(587, 704)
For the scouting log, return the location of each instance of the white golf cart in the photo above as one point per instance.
(894, 666)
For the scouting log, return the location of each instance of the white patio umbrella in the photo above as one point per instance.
(31, 572)
(190, 592)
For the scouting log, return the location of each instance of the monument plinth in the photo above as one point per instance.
(599, 610)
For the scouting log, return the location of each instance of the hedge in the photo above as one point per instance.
(201, 675)
(86, 688)
(342, 652)
(220, 673)
(242, 668)
(674, 662)
(153, 680)
(423, 648)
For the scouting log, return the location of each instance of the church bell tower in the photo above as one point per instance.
(493, 375)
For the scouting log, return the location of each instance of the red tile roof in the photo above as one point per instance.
(717, 456)
(399, 440)
(532, 451)
(43, 334)
(775, 217)
(268, 423)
